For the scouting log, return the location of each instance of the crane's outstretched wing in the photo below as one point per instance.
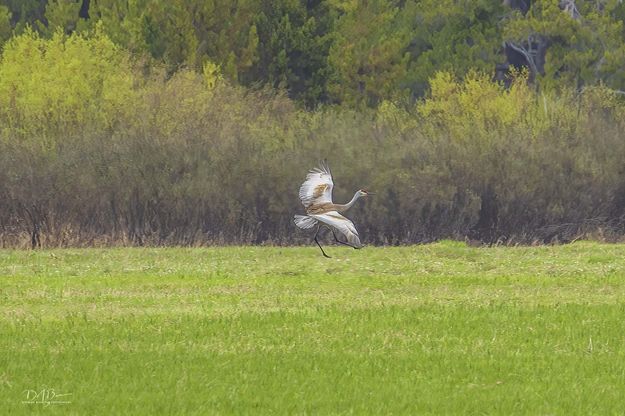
(341, 224)
(317, 188)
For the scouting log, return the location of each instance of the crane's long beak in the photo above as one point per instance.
(370, 193)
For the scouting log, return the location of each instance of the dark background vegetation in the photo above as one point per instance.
(194, 122)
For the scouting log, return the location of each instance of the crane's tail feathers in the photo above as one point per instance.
(304, 222)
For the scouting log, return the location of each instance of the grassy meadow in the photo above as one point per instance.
(440, 328)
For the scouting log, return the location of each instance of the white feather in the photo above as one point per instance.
(314, 178)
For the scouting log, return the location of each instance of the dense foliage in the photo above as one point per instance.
(188, 122)
(357, 52)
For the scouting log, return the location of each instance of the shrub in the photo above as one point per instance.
(95, 150)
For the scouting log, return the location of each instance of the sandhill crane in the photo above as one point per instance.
(316, 195)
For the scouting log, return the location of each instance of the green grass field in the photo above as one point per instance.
(440, 328)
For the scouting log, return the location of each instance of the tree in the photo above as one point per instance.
(63, 14)
(564, 43)
(5, 24)
(405, 42)
(293, 42)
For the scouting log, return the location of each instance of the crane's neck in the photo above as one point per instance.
(345, 207)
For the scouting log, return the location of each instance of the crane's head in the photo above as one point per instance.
(364, 192)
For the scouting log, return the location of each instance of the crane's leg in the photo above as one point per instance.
(317, 241)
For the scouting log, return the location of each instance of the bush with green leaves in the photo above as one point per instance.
(95, 150)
